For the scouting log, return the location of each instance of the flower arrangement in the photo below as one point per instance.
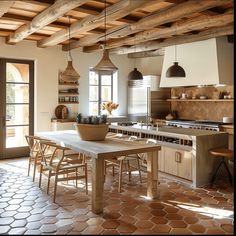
(109, 106)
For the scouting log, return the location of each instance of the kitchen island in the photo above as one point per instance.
(184, 153)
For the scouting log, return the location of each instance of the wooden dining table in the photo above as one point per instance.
(109, 148)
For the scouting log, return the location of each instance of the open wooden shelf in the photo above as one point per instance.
(68, 84)
(68, 102)
(68, 94)
(200, 100)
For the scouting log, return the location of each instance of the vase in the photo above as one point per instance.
(109, 113)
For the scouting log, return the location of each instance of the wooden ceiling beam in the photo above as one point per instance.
(154, 53)
(153, 45)
(168, 15)
(113, 12)
(5, 6)
(58, 9)
(195, 24)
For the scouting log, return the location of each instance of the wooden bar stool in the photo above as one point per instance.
(222, 153)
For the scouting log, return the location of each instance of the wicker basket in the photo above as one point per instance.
(92, 132)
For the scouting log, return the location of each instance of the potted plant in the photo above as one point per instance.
(92, 128)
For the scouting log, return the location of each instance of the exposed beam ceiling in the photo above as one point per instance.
(135, 27)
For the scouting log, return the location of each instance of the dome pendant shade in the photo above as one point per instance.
(105, 64)
(175, 71)
(70, 74)
(135, 75)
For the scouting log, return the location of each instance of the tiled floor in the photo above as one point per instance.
(26, 209)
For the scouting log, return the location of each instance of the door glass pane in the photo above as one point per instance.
(17, 72)
(106, 93)
(17, 114)
(93, 93)
(93, 108)
(16, 136)
(17, 93)
(106, 80)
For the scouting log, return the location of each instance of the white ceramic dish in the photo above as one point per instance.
(203, 97)
(174, 97)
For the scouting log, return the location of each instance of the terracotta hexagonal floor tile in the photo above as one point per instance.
(34, 225)
(191, 219)
(6, 220)
(144, 224)
(110, 232)
(228, 228)
(170, 209)
(125, 228)
(143, 216)
(18, 223)
(180, 231)
(110, 224)
(128, 211)
(156, 205)
(173, 216)
(17, 231)
(79, 226)
(159, 220)
(215, 231)
(161, 229)
(93, 230)
(158, 212)
(127, 219)
(111, 215)
(48, 228)
(197, 228)
(178, 224)
(36, 217)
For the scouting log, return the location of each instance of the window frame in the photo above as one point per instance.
(99, 85)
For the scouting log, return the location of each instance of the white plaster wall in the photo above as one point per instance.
(149, 65)
(48, 62)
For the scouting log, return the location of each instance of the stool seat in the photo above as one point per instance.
(222, 152)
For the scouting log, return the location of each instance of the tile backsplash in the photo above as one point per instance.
(206, 110)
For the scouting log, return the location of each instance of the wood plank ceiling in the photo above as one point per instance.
(135, 27)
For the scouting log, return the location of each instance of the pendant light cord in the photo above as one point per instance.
(105, 22)
(69, 40)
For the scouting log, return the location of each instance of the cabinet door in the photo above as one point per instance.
(161, 159)
(171, 165)
(184, 160)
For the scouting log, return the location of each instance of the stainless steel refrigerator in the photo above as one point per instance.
(147, 100)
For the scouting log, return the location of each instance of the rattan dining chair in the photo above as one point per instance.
(123, 163)
(34, 155)
(63, 165)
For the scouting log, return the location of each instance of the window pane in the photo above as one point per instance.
(93, 93)
(93, 108)
(17, 93)
(17, 72)
(106, 93)
(106, 80)
(16, 136)
(93, 78)
(17, 114)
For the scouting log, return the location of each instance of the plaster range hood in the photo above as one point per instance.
(207, 62)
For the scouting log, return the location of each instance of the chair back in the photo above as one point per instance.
(33, 143)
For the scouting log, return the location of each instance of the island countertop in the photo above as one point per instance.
(165, 130)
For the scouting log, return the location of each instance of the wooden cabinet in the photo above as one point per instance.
(176, 162)
(230, 130)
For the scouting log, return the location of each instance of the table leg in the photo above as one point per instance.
(97, 184)
(152, 174)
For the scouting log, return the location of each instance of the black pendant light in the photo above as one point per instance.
(135, 75)
(70, 75)
(105, 64)
(175, 70)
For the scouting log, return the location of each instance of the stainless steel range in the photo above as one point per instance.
(199, 124)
